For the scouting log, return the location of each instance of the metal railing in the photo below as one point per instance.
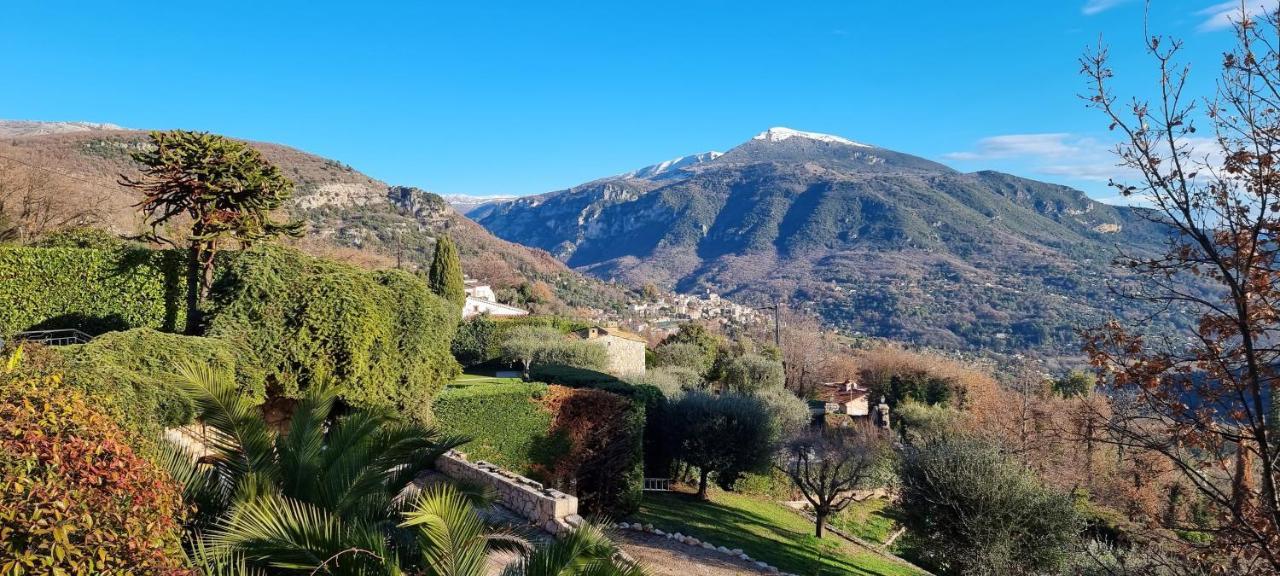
(657, 484)
(59, 337)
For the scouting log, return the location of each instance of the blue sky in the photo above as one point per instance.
(521, 97)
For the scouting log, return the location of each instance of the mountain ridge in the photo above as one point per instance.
(873, 240)
(349, 215)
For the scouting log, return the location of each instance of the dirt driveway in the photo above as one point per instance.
(663, 557)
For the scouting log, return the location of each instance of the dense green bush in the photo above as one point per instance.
(94, 290)
(472, 342)
(975, 511)
(130, 375)
(584, 441)
(752, 372)
(686, 355)
(504, 421)
(382, 336)
(673, 381)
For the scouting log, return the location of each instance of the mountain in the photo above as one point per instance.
(872, 240)
(74, 168)
(464, 203)
(11, 128)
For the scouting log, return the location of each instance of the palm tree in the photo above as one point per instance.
(329, 490)
(585, 551)
(336, 496)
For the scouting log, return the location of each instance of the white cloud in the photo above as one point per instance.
(1099, 6)
(1048, 145)
(1065, 155)
(1224, 15)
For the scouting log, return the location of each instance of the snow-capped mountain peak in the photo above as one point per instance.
(779, 133)
(672, 165)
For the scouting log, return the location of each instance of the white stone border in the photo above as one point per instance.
(691, 541)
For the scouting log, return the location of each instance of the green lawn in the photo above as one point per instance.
(871, 520)
(466, 380)
(765, 530)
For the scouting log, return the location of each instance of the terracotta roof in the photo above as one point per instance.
(602, 331)
(841, 392)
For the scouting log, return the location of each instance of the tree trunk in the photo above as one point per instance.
(194, 279)
(702, 483)
(820, 524)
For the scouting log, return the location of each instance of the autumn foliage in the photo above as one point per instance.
(74, 496)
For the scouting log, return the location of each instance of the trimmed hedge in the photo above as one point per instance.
(503, 420)
(130, 375)
(383, 337)
(92, 289)
(580, 440)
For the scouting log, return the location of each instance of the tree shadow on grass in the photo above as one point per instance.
(788, 549)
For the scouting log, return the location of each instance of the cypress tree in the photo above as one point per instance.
(445, 275)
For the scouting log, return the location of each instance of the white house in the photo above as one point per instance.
(481, 300)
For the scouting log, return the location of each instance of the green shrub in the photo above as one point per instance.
(671, 380)
(94, 290)
(382, 336)
(584, 441)
(974, 510)
(752, 372)
(130, 375)
(686, 355)
(504, 422)
(474, 339)
(74, 497)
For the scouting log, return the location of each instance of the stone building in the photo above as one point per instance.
(625, 350)
(845, 398)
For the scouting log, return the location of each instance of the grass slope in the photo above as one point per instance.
(765, 530)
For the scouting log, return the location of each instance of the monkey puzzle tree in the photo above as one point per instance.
(227, 190)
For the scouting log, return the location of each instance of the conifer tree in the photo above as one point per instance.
(445, 275)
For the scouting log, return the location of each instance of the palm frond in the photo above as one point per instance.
(275, 531)
(452, 538)
(240, 438)
(199, 482)
(301, 451)
(209, 563)
(585, 551)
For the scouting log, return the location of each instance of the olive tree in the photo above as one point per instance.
(978, 512)
(828, 463)
(724, 435)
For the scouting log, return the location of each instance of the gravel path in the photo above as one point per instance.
(663, 557)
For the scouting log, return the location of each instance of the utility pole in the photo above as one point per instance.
(777, 324)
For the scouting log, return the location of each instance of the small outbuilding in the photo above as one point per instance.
(625, 349)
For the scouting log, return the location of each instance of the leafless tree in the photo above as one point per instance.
(1206, 404)
(35, 203)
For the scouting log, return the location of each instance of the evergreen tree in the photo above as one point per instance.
(445, 275)
(227, 190)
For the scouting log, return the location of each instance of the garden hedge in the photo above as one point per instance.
(130, 375)
(383, 337)
(504, 421)
(95, 290)
(584, 441)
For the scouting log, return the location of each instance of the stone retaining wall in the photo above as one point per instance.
(550, 509)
